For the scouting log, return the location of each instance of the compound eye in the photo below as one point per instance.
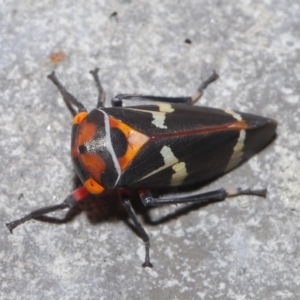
(82, 149)
(93, 187)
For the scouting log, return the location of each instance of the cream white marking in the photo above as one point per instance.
(134, 138)
(179, 175)
(169, 160)
(237, 154)
(165, 107)
(158, 116)
(234, 114)
(109, 146)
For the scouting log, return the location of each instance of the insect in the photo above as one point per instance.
(167, 144)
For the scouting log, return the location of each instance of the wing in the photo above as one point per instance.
(189, 144)
(168, 118)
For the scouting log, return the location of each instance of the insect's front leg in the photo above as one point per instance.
(201, 198)
(68, 97)
(199, 91)
(69, 202)
(118, 100)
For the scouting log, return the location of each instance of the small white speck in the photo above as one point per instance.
(169, 252)
(24, 83)
(171, 283)
(243, 202)
(222, 286)
(166, 230)
(292, 99)
(286, 91)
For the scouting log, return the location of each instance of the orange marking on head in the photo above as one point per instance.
(135, 141)
(93, 187)
(113, 122)
(89, 160)
(74, 151)
(79, 117)
(86, 132)
(93, 163)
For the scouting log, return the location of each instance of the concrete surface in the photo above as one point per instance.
(243, 248)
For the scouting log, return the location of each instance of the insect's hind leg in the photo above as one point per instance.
(202, 198)
(118, 100)
(101, 93)
(199, 92)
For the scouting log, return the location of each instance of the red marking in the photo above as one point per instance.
(238, 125)
(79, 193)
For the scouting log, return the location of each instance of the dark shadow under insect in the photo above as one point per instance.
(164, 146)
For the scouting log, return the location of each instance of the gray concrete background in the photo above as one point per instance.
(243, 248)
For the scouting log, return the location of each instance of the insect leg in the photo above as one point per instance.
(69, 202)
(203, 198)
(69, 98)
(140, 229)
(118, 100)
(199, 92)
(101, 93)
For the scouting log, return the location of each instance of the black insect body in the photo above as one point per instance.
(168, 144)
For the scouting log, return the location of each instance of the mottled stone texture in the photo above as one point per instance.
(243, 248)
